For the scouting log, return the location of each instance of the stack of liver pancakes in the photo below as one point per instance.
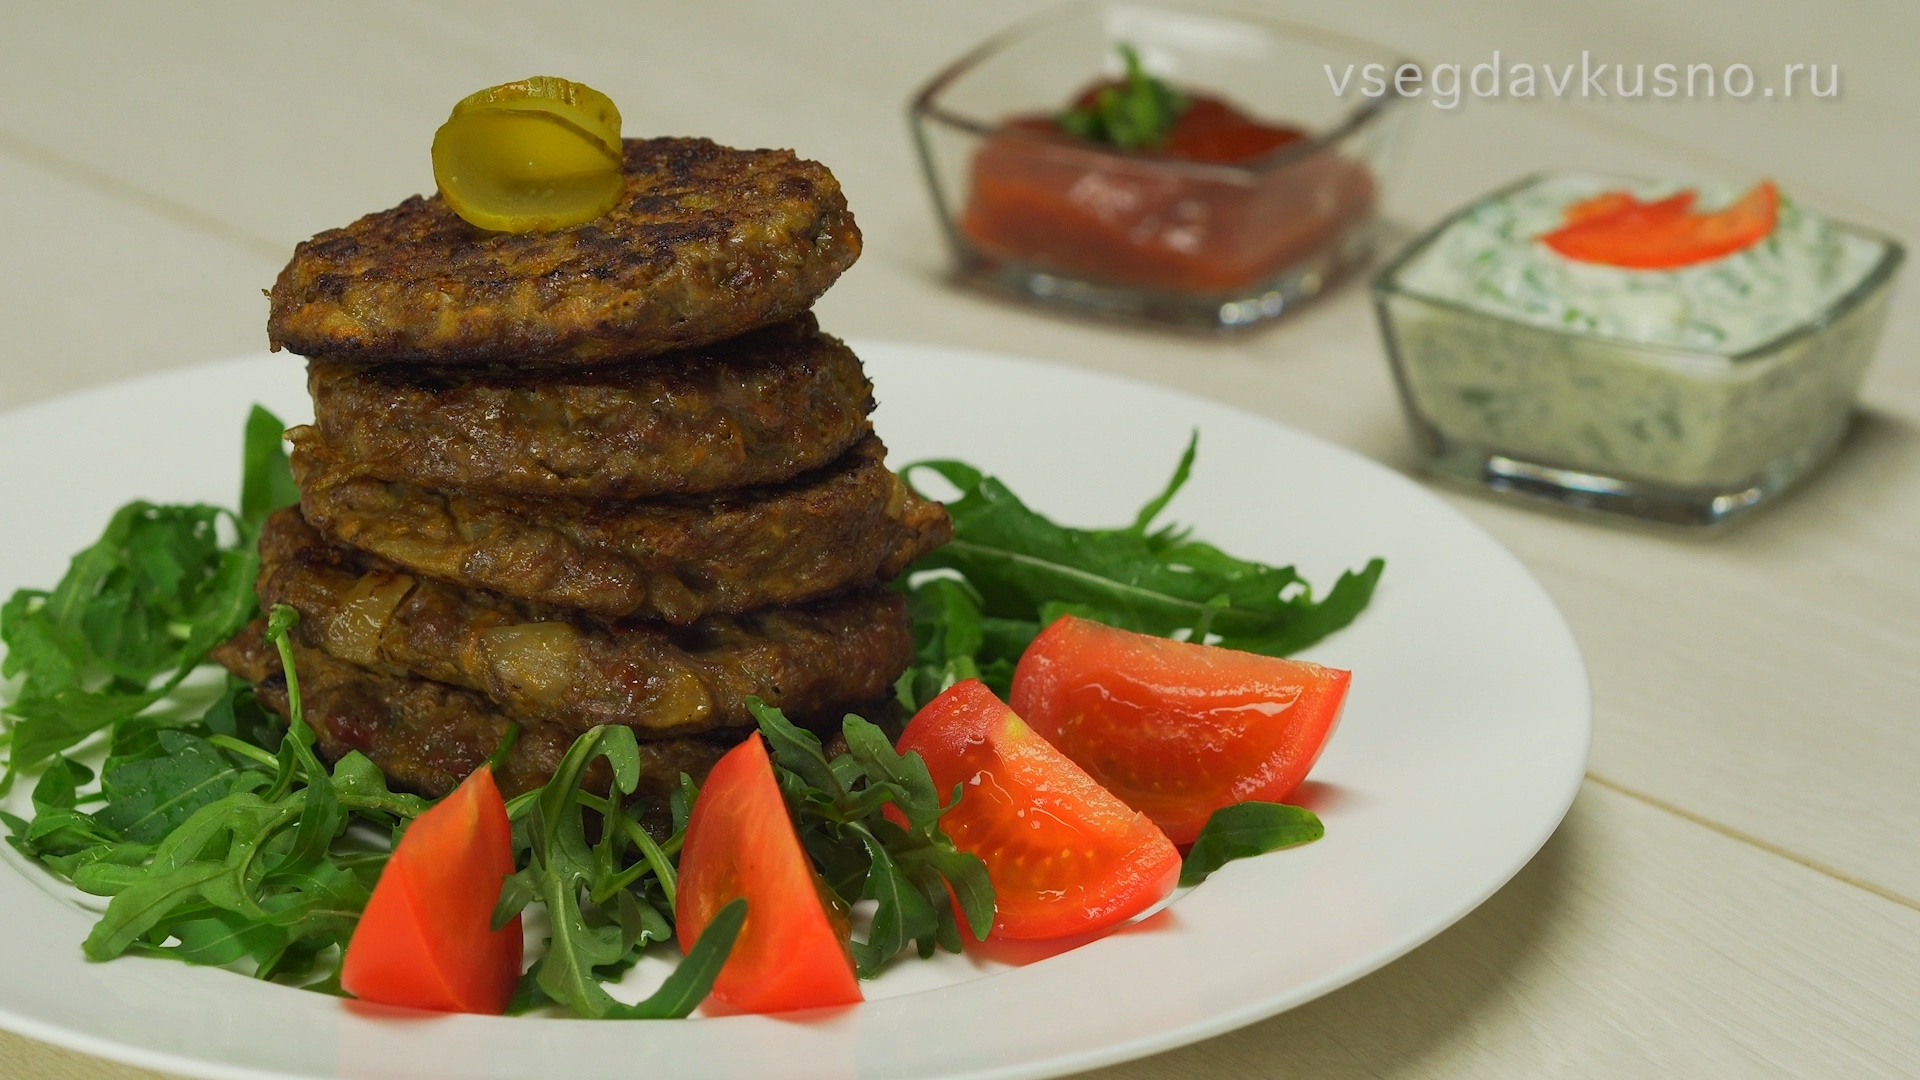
(610, 474)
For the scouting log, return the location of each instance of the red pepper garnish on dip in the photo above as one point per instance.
(1617, 229)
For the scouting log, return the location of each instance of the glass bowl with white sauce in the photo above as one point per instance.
(1682, 397)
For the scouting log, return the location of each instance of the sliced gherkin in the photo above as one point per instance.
(530, 156)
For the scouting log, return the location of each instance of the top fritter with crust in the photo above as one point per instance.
(707, 242)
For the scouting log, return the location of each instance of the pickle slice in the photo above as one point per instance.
(593, 112)
(530, 156)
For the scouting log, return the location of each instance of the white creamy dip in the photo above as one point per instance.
(1506, 349)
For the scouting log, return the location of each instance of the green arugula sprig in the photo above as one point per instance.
(213, 855)
(1136, 113)
(909, 870)
(211, 849)
(1019, 571)
(214, 851)
(137, 611)
(602, 910)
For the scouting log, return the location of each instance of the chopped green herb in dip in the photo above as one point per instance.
(1491, 259)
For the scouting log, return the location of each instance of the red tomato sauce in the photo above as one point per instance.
(1041, 196)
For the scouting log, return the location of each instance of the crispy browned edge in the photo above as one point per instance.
(851, 524)
(662, 681)
(428, 736)
(707, 242)
(758, 409)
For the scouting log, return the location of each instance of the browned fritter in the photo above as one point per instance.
(428, 736)
(706, 242)
(545, 665)
(758, 409)
(681, 559)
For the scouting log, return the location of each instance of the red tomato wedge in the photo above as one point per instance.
(1065, 857)
(426, 939)
(792, 952)
(1663, 235)
(1176, 730)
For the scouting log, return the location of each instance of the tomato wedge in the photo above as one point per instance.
(1176, 730)
(1065, 857)
(792, 952)
(426, 939)
(1614, 229)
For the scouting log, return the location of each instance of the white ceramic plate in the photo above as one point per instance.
(1463, 743)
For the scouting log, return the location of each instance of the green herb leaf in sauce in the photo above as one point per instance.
(1135, 113)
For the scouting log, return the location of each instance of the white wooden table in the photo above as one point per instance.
(1737, 889)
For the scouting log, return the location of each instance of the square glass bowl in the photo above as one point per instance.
(1099, 231)
(1663, 435)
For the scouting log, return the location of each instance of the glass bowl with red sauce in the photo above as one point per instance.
(1231, 218)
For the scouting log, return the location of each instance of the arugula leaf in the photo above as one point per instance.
(322, 817)
(1182, 472)
(238, 715)
(1247, 829)
(905, 775)
(266, 478)
(231, 881)
(680, 803)
(136, 611)
(145, 903)
(104, 869)
(45, 727)
(911, 872)
(797, 750)
(210, 848)
(951, 636)
(601, 913)
(59, 829)
(164, 781)
(180, 882)
(691, 981)
(1018, 571)
(901, 915)
(1136, 113)
(200, 865)
(362, 788)
(59, 786)
(221, 937)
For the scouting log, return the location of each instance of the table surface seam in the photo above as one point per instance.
(1747, 838)
(131, 194)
